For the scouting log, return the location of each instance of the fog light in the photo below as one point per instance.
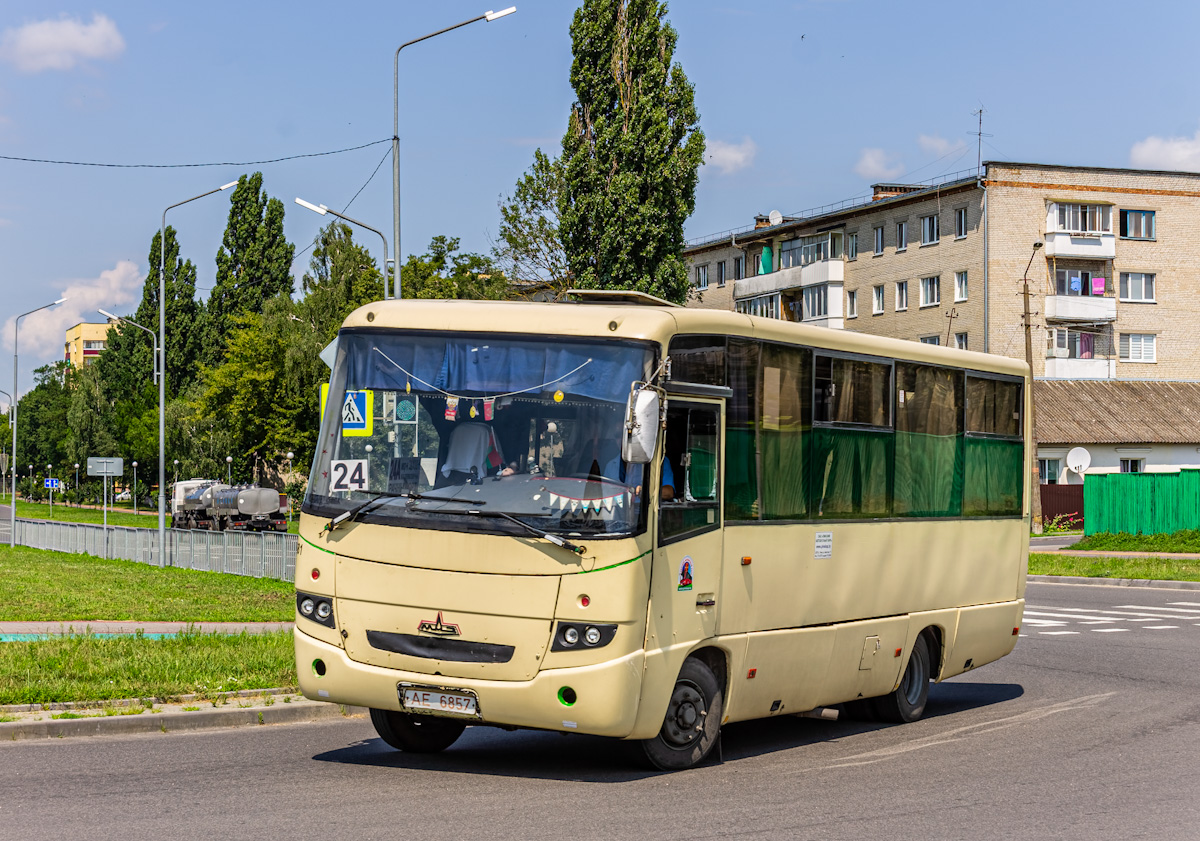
(306, 607)
(323, 610)
(591, 636)
(567, 697)
(571, 636)
(319, 668)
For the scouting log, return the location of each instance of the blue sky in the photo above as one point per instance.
(872, 91)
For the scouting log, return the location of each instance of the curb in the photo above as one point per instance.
(175, 720)
(1116, 582)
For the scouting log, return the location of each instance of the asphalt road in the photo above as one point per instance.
(1089, 730)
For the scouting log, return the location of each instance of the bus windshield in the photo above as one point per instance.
(437, 425)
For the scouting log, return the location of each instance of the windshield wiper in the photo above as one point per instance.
(545, 535)
(346, 516)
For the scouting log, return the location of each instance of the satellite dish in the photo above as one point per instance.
(776, 218)
(1079, 460)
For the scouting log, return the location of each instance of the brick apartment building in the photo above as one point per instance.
(1113, 282)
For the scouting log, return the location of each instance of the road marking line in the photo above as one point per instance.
(1102, 622)
(1182, 610)
(1159, 627)
(1192, 604)
(1047, 622)
(1078, 611)
(1108, 630)
(1057, 633)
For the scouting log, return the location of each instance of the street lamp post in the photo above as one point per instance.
(489, 17)
(290, 456)
(229, 470)
(322, 209)
(177, 471)
(7, 466)
(153, 338)
(16, 333)
(135, 510)
(76, 475)
(50, 479)
(162, 370)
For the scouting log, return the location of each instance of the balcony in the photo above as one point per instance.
(1089, 246)
(1080, 308)
(793, 277)
(1081, 369)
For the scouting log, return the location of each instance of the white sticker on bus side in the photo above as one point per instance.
(824, 545)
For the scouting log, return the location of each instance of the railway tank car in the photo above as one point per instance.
(216, 506)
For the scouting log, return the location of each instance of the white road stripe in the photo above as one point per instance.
(1091, 613)
(1039, 622)
(1108, 630)
(1159, 627)
(1190, 604)
(1183, 610)
(1057, 633)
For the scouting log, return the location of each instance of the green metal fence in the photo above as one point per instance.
(1142, 503)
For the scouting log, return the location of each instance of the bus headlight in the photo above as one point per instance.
(568, 634)
(317, 608)
(307, 606)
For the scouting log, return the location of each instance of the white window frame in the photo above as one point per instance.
(702, 276)
(931, 291)
(901, 295)
(901, 236)
(961, 288)
(931, 340)
(879, 240)
(960, 341)
(930, 230)
(877, 302)
(815, 302)
(1133, 465)
(960, 223)
(852, 246)
(1083, 219)
(1127, 287)
(852, 303)
(739, 267)
(721, 273)
(1147, 216)
(1138, 347)
(1045, 465)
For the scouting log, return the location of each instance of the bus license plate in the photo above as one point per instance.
(421, 699)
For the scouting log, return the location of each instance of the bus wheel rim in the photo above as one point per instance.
(685, 716)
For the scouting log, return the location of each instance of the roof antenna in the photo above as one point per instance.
(979, 135)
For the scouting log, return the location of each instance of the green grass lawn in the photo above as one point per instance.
(1160, 569)
(88, 668)
(1187, 540)
(55, 586)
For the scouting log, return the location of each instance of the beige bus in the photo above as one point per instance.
(619, 517)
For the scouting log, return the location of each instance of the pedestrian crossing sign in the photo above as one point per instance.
(357, 412)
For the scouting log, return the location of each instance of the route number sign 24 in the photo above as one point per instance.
(348, 475)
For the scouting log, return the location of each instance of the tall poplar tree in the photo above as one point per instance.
(631, 153)
(253, 264)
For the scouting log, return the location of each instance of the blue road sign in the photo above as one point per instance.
(52, 484)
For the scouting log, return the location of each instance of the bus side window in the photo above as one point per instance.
(692, 446)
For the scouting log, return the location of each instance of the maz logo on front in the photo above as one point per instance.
(438, 628)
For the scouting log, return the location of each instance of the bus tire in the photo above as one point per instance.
(416, 733)
(693, 721)
(907, 702)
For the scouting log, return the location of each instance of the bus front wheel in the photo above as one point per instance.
(693, 721)
(907, 702)
(416, 733)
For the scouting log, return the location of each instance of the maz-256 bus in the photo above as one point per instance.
(618, 517)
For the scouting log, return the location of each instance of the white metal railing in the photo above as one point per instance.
(254, 554)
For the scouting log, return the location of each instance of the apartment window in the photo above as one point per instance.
(1062, 343)
(929, 230)
(1085, 218)
(960, 341)
(789, 253)
(766, 306)
(1137, 224)
(879, 240)
(739, 267)
(931, 291)
(721, 273)
(931, 340)
(960, 223)
(852, 304)
(1049, 470)
(877, 300)
(1137, 286)
(1133, 465)
(901, 236)
(1077, 282)
(960, 286)
(851, 246)
(701, 277)
(93, 345)
(1137, 347)
(816, 301)
(902, 295)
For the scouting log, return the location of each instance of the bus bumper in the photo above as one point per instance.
(606, 693)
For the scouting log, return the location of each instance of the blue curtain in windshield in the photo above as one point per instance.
(463, 367)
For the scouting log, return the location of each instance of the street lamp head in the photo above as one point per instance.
(135, 464)
(229, 459)
(1037, 245)
(230, 184)
(59, 301)
(290, 455)
(491, 16)
(315, 208)
(76, 465)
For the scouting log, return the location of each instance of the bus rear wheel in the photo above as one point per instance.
(693, 720)
(907, 702)
(416, 733)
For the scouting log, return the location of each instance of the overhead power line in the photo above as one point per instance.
(183, 166)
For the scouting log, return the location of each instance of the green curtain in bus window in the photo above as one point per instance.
(741, 450)
(849, 472)
(994, 477)
(929, 444)
(785, 418)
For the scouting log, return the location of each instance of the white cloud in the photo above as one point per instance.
(60, 44)
(732, 157)
(940, 146)
(876, 163)
(117, 290)
(1167, 153)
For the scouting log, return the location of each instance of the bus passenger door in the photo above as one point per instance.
(687, 565)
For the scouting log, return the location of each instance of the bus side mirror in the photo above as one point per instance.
(642, 420)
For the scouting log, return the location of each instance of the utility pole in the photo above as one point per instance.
(1035, 484)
